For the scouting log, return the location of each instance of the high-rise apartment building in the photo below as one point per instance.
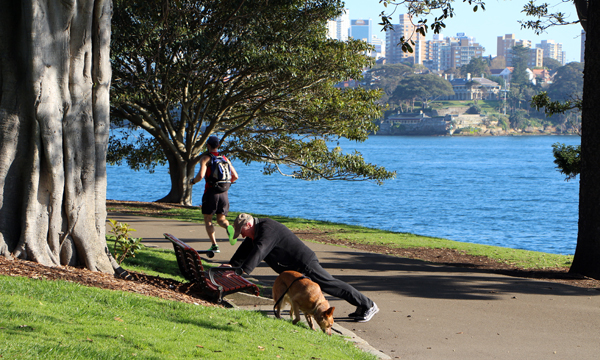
(451, 52)
(343, 28)
(507, 42)
(407, 30)
(339, 27)
(552, 50)
(379, 51)
(361, 29)
(536, 58)
(437, 53)
(464, 50)
(504, 45)
(393, 52)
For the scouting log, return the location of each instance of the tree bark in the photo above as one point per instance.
(181, 172)
(54, 122)
(587, 254)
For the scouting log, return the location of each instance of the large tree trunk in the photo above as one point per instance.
(54, 117)
(181, 172)
(587, 253)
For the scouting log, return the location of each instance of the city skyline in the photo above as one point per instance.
(477, 24)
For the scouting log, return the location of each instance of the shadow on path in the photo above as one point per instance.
(370, 272)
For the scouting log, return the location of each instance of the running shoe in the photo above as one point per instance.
(214, 248)
(367, 314)
(230, 231)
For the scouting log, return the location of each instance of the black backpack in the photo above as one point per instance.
(220, 173)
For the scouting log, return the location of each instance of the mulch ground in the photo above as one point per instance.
(136, 283)
(185, 292)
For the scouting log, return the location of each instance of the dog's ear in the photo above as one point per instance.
(329, 312)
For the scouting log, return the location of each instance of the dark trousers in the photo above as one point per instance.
(335, 287)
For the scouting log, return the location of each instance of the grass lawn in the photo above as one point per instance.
(489, 106)
(42, 319)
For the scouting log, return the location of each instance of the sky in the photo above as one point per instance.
(500, 18)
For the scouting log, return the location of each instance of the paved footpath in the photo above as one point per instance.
(432, 311)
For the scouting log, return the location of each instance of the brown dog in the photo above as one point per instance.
(302, 294)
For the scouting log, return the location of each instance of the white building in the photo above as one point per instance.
(505, 44)
(379, 48)
(443, 53)
(405, 28)
(552, 50)
(339, 28)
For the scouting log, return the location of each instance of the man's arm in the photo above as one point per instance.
(203, 162)
(241, 253)
(234, 174)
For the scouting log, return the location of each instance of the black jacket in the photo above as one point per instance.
(276, 245)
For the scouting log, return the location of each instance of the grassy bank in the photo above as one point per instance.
(63, 320)
(362, 235)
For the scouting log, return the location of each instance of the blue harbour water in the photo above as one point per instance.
(502, 191)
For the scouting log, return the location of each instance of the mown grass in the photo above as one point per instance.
(155, 262)
(42, 319)
(488, 106)
(362, 235)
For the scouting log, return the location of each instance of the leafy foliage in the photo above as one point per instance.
(519, 97)
(499, 62)
(551, 64)
(520, 58)
(567, 83)
(545, 18)
(502, 121)
(520, 120)
(543, 101)
(136, 148)
(386, 78)
(476, 67)
(568, 159)
(473, 109)
(124, 245)
(564, 95)
(261, 74)
(423, 88)
(497, 79)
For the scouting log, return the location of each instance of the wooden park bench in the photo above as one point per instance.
(217, 281)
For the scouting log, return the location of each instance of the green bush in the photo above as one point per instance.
(124, 245)
(468, 130)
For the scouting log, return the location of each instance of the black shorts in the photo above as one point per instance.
(215, 203)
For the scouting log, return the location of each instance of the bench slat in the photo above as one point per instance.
(190, 266)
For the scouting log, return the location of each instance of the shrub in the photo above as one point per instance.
(124, 245)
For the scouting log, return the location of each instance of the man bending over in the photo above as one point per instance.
(281, 249)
